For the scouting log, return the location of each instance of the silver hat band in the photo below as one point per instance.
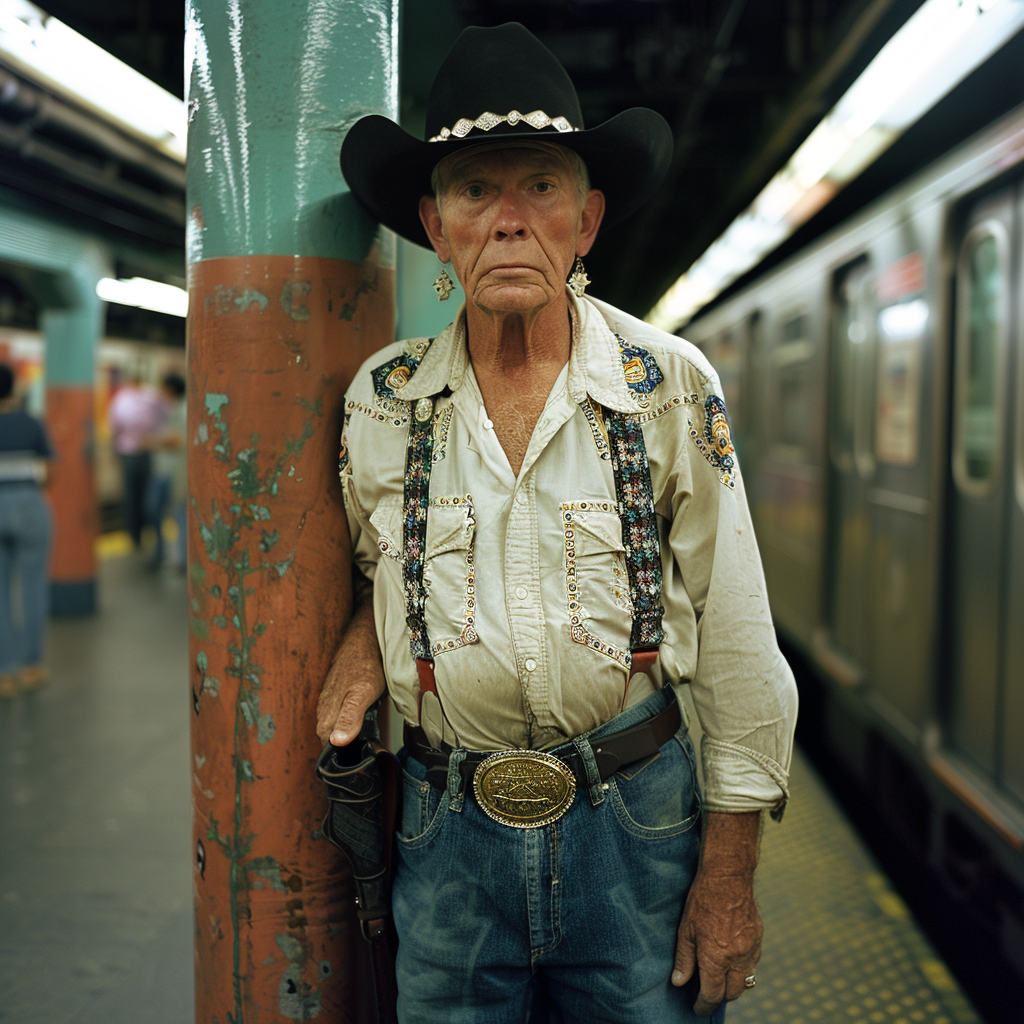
(486, 121)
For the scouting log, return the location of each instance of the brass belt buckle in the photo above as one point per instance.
(524, 788)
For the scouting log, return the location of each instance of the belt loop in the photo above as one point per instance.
(456, 789)
(598, 790)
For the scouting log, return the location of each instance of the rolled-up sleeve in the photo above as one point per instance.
(743, 689)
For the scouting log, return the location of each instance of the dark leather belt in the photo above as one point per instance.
(611, 752)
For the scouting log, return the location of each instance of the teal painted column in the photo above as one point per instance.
(72, 322)
(291, 286)
(71, 337)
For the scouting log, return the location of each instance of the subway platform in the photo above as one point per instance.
(95, 850)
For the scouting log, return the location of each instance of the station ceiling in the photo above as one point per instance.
(741, 82)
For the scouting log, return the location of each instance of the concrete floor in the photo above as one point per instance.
(95, 851)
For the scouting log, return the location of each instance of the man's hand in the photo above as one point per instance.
(355, 679)
(720, 933)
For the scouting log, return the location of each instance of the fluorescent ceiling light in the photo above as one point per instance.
(146, 294)
(47, 51)
(939, 46)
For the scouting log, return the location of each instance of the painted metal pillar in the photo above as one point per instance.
(290, 288)
(64, 267)
(71, 337)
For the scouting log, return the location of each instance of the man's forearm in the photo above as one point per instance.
(356, 677)
(731, 844)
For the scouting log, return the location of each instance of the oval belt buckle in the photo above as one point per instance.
(524, 788)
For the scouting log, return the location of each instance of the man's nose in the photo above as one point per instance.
(511, 221)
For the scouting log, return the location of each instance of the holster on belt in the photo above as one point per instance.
(363, 783)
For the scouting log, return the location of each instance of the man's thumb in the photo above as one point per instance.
(686, 960)
(349, 720)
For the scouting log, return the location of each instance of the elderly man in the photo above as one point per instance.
(545, 502)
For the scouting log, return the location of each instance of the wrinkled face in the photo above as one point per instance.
(512, 222)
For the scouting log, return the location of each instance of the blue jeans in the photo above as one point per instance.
(24, 550)
(573, 922)
(158, 497)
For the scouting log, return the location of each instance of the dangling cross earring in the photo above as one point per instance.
(578, 279)
(443, 285)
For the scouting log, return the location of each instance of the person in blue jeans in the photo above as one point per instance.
(25, 530)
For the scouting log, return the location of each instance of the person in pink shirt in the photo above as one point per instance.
(137, 412)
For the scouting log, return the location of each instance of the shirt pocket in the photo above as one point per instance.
(596, 579)
(449, 574)
(387, 521)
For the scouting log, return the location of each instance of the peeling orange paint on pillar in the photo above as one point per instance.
(274, 342)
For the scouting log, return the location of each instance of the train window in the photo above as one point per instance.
(983, 290)
(752, 379)
(901, 328)
(853, 356)
(793, 397)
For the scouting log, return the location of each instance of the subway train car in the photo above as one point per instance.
(875, 381)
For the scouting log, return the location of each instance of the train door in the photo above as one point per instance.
(852, 358)
(983, 463)
(1013, 671)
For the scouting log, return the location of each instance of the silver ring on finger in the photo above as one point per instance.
(750, 982)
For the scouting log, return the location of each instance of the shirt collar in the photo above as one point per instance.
(595, 366)
(443, 365)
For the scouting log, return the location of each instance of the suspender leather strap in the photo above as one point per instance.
(639, 538)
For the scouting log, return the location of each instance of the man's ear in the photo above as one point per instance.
(590, 220)
(430, 216)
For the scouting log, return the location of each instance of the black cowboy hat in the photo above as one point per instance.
(501, 84)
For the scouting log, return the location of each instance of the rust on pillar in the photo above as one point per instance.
(274, 342)
(290, 288)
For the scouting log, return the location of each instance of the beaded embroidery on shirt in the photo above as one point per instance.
(442, 424)
(416, 500)
(673, 403)
(577, 613)
(389, 379)
(715, 444)
(639, 527)
(591, 413)
(468, 634)
(639, 367)
(344, 461)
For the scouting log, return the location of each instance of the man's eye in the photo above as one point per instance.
(475, 191)
(543, 186)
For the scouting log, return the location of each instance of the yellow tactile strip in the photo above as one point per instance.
(840, 945)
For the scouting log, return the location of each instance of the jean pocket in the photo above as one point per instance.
(657, 798)
(424, 808)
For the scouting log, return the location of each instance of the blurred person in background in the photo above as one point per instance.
(137, 413)
(25, 530)
(168, 484)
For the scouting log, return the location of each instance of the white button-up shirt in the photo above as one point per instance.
(500, 573)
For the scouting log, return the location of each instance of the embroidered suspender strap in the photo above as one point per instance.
(419, 458)
(639, 537)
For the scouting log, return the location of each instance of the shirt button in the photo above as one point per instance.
(488, 424)
(531, 665)
(521, 498)
(522, 593)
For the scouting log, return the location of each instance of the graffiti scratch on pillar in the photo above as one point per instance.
(228, 536)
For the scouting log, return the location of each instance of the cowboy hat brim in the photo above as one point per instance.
(388, 170)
